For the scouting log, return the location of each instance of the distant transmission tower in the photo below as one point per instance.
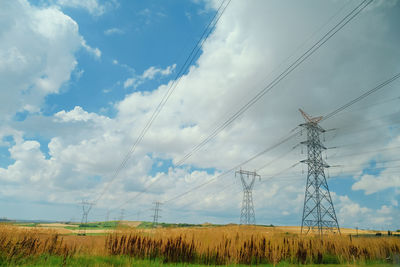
(108, 216)
(86, 207)
(318, 212)
(156, 215)
(121, 217)
(247, 215)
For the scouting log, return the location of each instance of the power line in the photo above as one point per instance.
(215, 178)
(334, 175)
(293, 53)
(373, 90)
(330, 115)
(339, 173)
(374, 138)
(343, 22)
(397, 98)
(376, 168)
(365, 152)
(369, 120)
(280, 172)
(169, 92)
(276, 159)
(224, 173)
(350, 16)
(237, 166)
(264, 179)
(392, 123)
(295, 177)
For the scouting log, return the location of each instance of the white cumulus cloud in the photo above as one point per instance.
(148, 74)
(112, 31)
(94, 7)
(37, 54)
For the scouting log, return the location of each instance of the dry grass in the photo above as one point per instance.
(248, 245)
(17, 243)
(347, 231)
(207, 245)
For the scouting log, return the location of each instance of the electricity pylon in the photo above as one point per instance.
(247, 215)
(121, 217)
(108, 216)
(318, 211)
(86, 207)
(156, 215)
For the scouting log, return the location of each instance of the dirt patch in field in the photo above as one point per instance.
(61, 230)
(354, 231)
(131, 223)
(93, 231)
(289, 229)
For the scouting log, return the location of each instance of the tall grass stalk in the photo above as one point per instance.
(248, 245)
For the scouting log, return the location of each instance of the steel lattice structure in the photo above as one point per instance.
(318, 212)
(156, 215)
(247, 215)
(86, 207)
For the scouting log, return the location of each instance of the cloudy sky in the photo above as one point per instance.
(80, 80)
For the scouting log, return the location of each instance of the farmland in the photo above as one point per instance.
(52, 245)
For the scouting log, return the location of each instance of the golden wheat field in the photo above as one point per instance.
(203, 245)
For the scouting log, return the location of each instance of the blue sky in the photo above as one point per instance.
(138, 35)
(80, 80)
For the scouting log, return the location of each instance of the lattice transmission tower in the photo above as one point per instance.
(108, 215)
(318, 212)
(156, 215)
(86, 207)
(247, 215)
(121, 216)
